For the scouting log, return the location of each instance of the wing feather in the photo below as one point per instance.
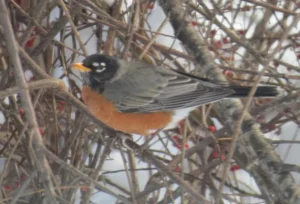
(157, 89)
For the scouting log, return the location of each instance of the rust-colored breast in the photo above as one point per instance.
(139, 123)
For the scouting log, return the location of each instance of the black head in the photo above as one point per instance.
(97, 69)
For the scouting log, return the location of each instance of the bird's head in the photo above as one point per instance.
(97, 69)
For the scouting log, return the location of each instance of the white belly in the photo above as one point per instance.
(178, 116)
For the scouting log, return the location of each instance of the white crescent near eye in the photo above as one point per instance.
(100, 69)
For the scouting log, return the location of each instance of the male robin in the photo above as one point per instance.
(135, 97)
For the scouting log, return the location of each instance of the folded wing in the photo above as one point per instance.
(157, 89)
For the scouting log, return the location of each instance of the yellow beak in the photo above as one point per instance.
(80, 67)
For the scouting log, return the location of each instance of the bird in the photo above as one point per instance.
(139, 98)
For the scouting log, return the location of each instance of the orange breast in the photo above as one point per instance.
(139, 123)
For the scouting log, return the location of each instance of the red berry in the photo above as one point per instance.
(246, 8)
(229, 7)
(187, 146)
(17, 184)
(177, 141)
(235, 168)
(23, 178)
(268, 99)
(84, 189)
(225, 40)
(102, 47)
(181, 123)
(241, 32)
(41, 131)
(260, 118)
(219, 44)
(181, 126)
(176, 137)
(194, 23)
(36, 30)
(153, 134)
(272, 127)
(32, 78)
(228, 73)
(213, 33)
(60, 107)
(259, 101)
(30, 42)
(179, 146)
(212, 128)
(177, 169)
(8, 187)
(18, 1)
(216, 154)
(32, 38)
(151, 5)
(21, 111)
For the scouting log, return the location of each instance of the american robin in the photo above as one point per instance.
(134, 97)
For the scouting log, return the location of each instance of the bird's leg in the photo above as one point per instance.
(126, 141)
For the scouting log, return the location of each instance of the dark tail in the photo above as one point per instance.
(261, 91)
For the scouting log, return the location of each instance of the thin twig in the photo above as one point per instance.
(36, 139)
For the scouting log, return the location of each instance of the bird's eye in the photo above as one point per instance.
(101, 68)
(95, 64)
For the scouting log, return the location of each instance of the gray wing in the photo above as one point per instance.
(159, 89)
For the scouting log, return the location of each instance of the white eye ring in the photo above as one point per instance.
(100, 67)
(95, 64)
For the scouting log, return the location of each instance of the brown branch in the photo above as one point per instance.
(132, 28)
(150, 158)
(275, 75)
(230, 110)
(272, 7)
(57, 26)
(36, 141)
(247, 105)
(85, 177)
(70, 130)
(37, 12)
(41, 84)
(76, 33)
(284, 141)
